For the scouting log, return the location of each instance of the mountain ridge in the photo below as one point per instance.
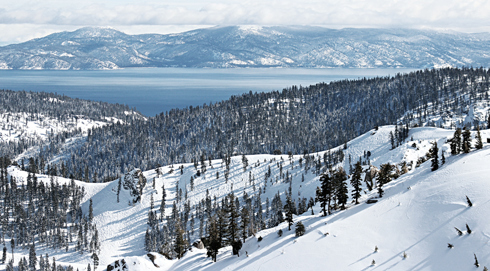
(93, 48)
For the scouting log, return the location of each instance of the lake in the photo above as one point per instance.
(156, 90)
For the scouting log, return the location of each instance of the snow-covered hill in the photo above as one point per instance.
(250, 46)
(417, 215)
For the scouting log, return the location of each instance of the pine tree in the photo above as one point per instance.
(384, 177)
(355, 181)
(32, 257)
(324, 193)
(341, 191)
(245, 220)
(289, 211)
(90, 212)
(4, 254)
(392, 140)
(435, 157)
(231, 209)
(162, 204)
(456, 142)
(479, 142)
(300, 229)
(466, 140)
(180, 245)
(119, 182)
(95, 258)
(213, 239)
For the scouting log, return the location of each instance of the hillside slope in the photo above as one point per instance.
(419, 221)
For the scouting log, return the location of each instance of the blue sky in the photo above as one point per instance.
(22, 20)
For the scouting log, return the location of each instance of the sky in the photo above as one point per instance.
(22, 20)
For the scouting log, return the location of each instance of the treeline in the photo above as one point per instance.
(296, 120)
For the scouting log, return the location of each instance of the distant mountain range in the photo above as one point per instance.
(94, 48)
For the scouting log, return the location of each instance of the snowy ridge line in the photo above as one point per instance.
(258, 46)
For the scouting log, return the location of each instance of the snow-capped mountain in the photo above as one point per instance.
(250, 46)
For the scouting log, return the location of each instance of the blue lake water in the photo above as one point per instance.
(156, 90)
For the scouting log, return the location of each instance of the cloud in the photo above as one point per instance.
(385, 13)
(466, 16)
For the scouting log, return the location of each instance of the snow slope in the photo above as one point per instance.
(419, 221)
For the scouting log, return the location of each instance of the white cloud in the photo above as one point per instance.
(467, 16)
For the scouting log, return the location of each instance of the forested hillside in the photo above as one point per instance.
(297, 120)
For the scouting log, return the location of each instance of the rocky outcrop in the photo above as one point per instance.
(119, 265)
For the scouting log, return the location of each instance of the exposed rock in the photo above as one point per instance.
(118, 265)
(198, 244)
(152, 259)
(370, 176)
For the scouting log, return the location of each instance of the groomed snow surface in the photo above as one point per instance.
(416, 216)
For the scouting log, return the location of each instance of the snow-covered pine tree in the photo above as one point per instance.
(434, 153)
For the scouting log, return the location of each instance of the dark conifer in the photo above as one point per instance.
(245, 220)
(90, 212)
(289, 211)
(466, 140)
(32, 257)
(324, 193)
(468, 230)
(356, 182)
(162, 204)
(434, 153)
(95, 258)
(479, 142)
(384, 177)
(180, 246)
(300, 229)
(213, 244)
(4, 254)
(456, 142)
(469, 201)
